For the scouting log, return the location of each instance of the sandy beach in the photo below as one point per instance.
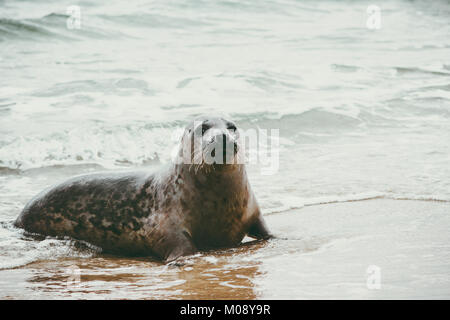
(322, 251)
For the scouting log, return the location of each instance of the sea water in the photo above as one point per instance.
(362, 110)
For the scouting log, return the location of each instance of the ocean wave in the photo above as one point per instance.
(108, 147)
(153, 20)
(315, 120)
(18, 249)
(141, 143)
(26, 29)
(287, 203)
(262, 81)
(118, 86)
(345, 68)
(420, 71)
(54, 26)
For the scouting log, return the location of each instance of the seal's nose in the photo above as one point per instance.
(223, 139)
(227, 146)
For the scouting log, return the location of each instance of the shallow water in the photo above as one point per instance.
(322, 251)
(362, 114)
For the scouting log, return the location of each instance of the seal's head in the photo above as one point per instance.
(211, 142)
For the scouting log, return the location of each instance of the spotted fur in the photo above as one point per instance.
(170, 213)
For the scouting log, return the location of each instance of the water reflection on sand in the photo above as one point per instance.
(321, 251)
(216, 275)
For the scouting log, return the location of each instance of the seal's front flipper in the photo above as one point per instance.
(258, 229)
(179, 252)
(176, 246)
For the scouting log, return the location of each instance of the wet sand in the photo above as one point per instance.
(322, 252)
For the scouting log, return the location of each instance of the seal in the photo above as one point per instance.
(202, 200)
